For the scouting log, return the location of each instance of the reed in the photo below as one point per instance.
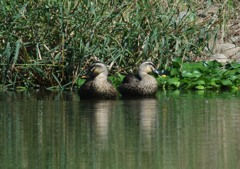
(49, 43)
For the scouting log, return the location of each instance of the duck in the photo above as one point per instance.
(97, 85)
(141, 84)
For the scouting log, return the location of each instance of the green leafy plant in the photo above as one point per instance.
(202, 75)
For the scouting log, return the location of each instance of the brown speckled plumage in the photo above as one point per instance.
(97, 85)
(141, 84)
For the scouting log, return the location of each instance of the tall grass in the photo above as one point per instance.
(50, 42)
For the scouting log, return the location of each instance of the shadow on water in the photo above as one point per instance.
(175, 130)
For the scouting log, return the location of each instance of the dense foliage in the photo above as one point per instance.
(50, 42)
(202, 75)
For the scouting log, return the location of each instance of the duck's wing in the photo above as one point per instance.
(129, 84)
(131, 78)
(89, 91)
(111, 92)
(85, 90)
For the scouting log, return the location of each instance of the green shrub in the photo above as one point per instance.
(202, 75)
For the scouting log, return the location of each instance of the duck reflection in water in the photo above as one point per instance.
(148, 119)
(103, 110)
(146, 111)
(99, 114)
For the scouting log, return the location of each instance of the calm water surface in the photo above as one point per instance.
(177, 130)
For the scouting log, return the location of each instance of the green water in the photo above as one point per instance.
(177, 130)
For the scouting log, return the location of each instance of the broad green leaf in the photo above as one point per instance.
(174, 72)
(174, 81)
(186, 74)
(232, 78)
(194, 74)
(194, 66)
(227, 82)
(200, 87)
(200, 82)
(177, 62)
(233, 65)
(212, 64)
(234, 88)
(229, 73)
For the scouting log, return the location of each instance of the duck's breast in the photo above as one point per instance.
(104, 89)
(148, 85)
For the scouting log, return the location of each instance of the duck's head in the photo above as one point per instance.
(148, 67)
(96, 69)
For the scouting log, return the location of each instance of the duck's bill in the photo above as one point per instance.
(160, 72)
(87, 75)
(84, 76)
